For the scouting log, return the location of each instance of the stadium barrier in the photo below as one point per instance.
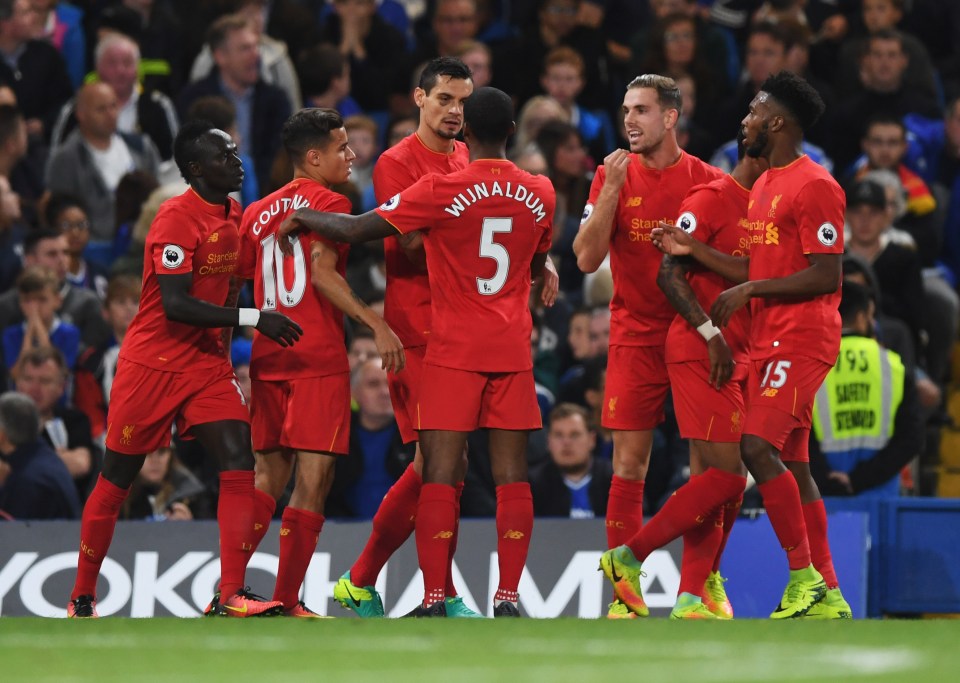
(171, 568)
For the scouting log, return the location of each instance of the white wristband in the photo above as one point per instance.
(708, 330)
(249, 317)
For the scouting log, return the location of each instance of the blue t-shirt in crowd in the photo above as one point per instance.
(367, 493)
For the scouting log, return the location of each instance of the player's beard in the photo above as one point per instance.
(756, 150)
(648, 147)
(446, 135)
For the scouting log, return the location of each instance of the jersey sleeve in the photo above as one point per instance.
(820, 207)
(595, 186)
(413, 209)
(331, 202)
(695, 216)
(390, 177)
(549, 197)
(247, 265)
(175, 238)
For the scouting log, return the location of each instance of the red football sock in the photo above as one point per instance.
(299, 533)
(392, 525)
(815, 517)
(731, 510)
(699, 548)
(96, 531)
(690, 505)
(624, 510)
(235, 517)
(781, 498)
(451, 589)
(436, 522)
(514, 526)
(263, 508)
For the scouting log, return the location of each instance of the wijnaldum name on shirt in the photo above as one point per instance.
(481, 191)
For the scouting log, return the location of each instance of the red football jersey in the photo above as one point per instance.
(715, 214)
(640, 313)
(482, 227)
(794, 211)
(406, 305)
(283, 284)
(187, 236)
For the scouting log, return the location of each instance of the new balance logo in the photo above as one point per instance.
(634, 201)
(284, 532)
(443, 535)
(514, 535)
(769, 393)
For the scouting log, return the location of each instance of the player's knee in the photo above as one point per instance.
(628, 466)
(755, 452)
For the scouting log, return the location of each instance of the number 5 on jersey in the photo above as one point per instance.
(489, 248)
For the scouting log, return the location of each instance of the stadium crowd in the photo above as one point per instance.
(93, 94)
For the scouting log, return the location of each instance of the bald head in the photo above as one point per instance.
(97, 111)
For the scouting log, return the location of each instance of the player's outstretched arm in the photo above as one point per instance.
(179, 306)
(337, 227)
(822, 276)
(323, 271)
(674, 241)
(593, 240)
(673, 282)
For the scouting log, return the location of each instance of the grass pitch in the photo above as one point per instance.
(580, 651)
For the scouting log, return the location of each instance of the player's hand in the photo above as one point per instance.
(728, 303)
(671, 240)
(392, 357)
(615, 166)
(279, 328)
(179, 512)
(551, 283)
(293, 223)
(721, 361)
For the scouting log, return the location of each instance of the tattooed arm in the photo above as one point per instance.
(324, 275)
(672, 280)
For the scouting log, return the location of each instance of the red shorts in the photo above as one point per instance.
(636, 388)
(702, 412)
(144, 403)
(461, 401)
(310, 414)
(405, 392)
(780, 393)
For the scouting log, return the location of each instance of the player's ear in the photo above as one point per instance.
(670, 118)
(419, 95)
(512, 129)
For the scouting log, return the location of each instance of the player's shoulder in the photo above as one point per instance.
(699, 169)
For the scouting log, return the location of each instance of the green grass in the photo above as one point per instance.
(385, 651)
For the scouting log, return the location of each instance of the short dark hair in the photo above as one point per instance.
(668, 94)
(854, 300)
(19, 418)
(489, 113)
(309, 129)
(37, 279)
(11, 118)
(35, 237)
(216, 109)
(884, 119)
(802, 102)
(221, 29)
(318, 66)
(883, 34)
(188, 145)
(57, 204)
(552, 135)
(768, 28)
(443, 66)
(564, 410)
(39, 355)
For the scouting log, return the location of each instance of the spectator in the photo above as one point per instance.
(38, 295)
(165, 490)
(117, 63)
(12, 233)
(20, 163)
(68, 215)
(400, 127)
(692, 137)
(291, 23)
(38, 485)
(897, 268)
(95, 156)
(377, 453)
(362, 347)
(132, 261)
(536, 112)
(363, 134)
(96, 366)
(80, 307)
(326, 81)
(867, 421)
(240, 350)
(479, 60)
(160, 35)
(572, 483)
(42, 374)
(33, 68)
(276, 67)
(261, 107)
(886, 15)
(884, 92)
(375, 51)
(452, 22)
(61, 24)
